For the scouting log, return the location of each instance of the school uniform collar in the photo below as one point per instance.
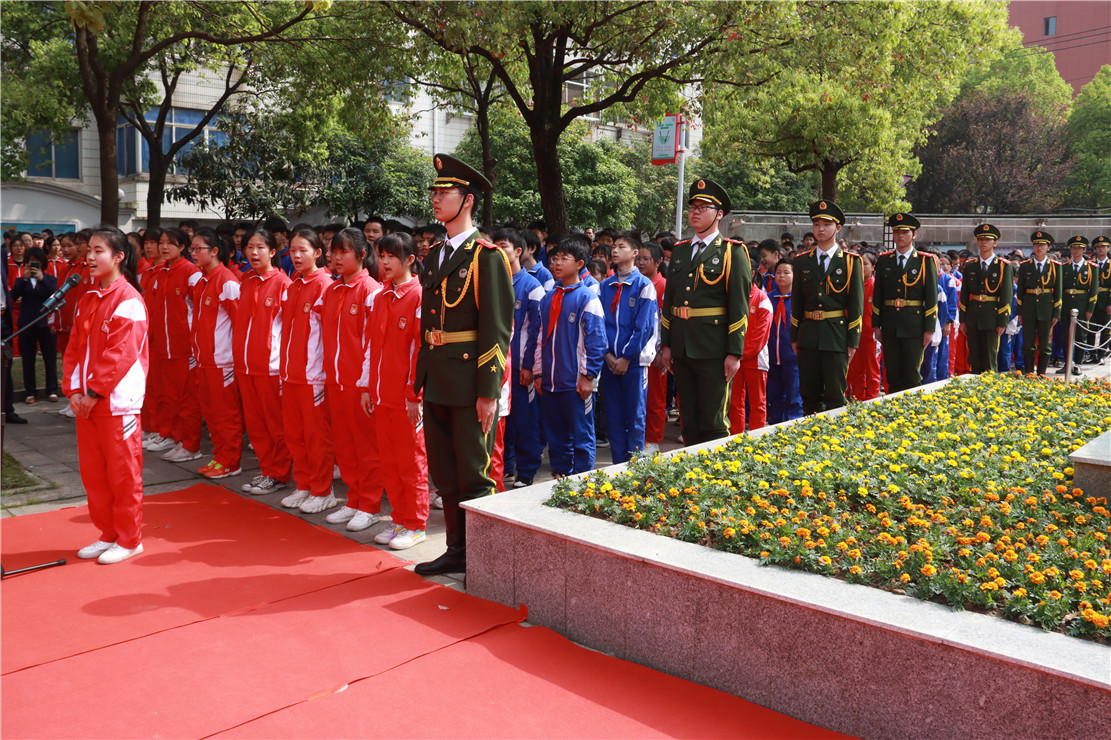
(357, 278)
(572, 286)
(272, 274)
(628, 279)
(401, 290)
(104, 292)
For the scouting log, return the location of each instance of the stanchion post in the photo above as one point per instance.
(1073, 313)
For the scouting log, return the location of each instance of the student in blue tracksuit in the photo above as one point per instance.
(1005, 359)
(784, 400)
(572, 344)
(529, 260)
(632, 318)
(948, 296)
(522, 427)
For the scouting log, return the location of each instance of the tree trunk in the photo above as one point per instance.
(549, 176)
(482, 121)
(829, 179)
(158, 165)
(109, 175)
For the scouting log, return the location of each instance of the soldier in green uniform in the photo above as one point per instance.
(1102, 313)
(826, 312)
(705, 315)
(466, 319)
(904, 304)
(987, 287)
(1039, 303)
(1081, 287)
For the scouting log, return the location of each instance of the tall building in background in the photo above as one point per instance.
(1078, 34)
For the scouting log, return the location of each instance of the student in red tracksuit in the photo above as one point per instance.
(104, 375)
(75, 249)
(751, 381)
(257, 333)
(146, 284)
(215, 306)
(864, 368)
(393, 338)
(648, 262)
(344, 308)
(305, 418)
(177, 409)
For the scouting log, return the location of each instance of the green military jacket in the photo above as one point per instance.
(1103, 297)
(1081, 288)
(985, 300)
(466, 320)
(827, 309)
(904, 302)
(705, 308)
(1039, 293)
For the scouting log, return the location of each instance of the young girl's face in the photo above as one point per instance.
(204, 256)
(303, 255)
(785, 278)
(867, 265)
(169, 249)
(55, 250)
(393, 268)
(82, 248)
(345, 260)
(258, 254)
(151, 250)
(103, 262)
(69, 249)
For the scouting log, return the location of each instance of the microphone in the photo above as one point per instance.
(55, 300)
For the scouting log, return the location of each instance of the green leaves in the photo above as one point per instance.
(1090, 141)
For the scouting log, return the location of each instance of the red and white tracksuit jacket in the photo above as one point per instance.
(107, 354)
(343, 309)
(656, 409)
(257, 332)
(390, 364)
(215, 305)
(864, 373)
(176, 409)
(305, 415)
(751, 381)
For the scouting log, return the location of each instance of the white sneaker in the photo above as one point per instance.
(387, 534)
(317, 504)
(295, 499)
(67, 412)
(117, 554)
(267, 485)
(651, 449)
(339, 516)
(437, 501)
(249, 487)
(406, 538)
(88, 552)
(159, 444)
(180, 454)
(361, 521)
(173, 451)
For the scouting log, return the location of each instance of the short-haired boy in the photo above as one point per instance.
(573, 342)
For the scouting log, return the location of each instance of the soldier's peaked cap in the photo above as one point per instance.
(1078, 240)
(902, 222)
(1101, 241)
(1041, 237)
(827, 210)
(711, 192)
(452, 173)
(987, 230)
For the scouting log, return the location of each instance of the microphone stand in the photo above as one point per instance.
(6, 342)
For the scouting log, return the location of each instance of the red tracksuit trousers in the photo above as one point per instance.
(110, 451)
(262, 411)
(864, 372)
(355, 440)
(223, 413)
(656, 409)
(308, 435)
(750, 383)
(404, 466)
(176, 412)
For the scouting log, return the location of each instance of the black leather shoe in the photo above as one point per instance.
(12, 417)
(449, 562)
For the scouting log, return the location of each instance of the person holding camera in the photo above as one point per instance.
(33, 288)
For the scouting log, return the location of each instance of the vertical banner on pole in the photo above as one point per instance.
(665, 140)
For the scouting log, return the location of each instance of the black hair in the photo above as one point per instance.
(375, 220)
(515, 225)
(661, 235)
(533, 245)
(870, 255)
(400, 245)
(189, 223)
(611, 233)
(335, 228)
(152, 234)
(654, 250)
(314, 240)
(667, 243)
(605, 248)
(540, 225)
(393, 225)
(513, 236)
(83, 235)
(275, 225)
(220, 242)
(177, 236)
(225, 227)
(35, 254)
(632, 237)
(354, 240)
(787, 235)
(578, 247)
(555, 238)
(436, 230)
(120, 244)
(785, 261)
(271, 243)
(769, 245)
(597, 267)
(809, 234)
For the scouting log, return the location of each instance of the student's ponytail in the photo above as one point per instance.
(120, 244)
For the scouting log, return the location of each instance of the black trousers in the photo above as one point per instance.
(902, 362)
(703, 398)
(37, 339)
(983, 350)
(823, 379)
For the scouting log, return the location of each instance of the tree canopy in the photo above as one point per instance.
(1090, 141)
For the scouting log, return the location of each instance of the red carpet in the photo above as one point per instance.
(207, 552)
(242, 621)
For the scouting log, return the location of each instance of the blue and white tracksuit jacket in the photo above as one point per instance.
(522, 428)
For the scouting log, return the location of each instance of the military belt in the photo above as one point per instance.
(1076, 291)
(900, 302)
(1040, 291)
(685, 312)
(1105, 290)
(984, 298)
(439, 338)
(822, 315)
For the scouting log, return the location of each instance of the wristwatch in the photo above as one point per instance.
(93, 394)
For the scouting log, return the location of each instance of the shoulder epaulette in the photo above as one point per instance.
(931, 255)
(884, 254)
(484, 243)
(853, 254)
(685, 241)
(732, 241)
(808, 251)
(1026, 262)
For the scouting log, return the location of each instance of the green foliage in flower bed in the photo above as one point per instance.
(962, 496)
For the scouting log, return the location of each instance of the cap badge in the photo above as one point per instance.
(898, 217)
(701, 184)
(439, 164)
(822, 205)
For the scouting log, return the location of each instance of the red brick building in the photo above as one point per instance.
(1077, 33)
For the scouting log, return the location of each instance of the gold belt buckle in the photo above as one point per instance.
(898, 303)
(436, 337)
(684, 312)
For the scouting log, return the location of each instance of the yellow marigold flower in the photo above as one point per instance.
(784, 540)
(1020, 592)
(1055, 595)
(904, 578)
(825, 560)
(928, 570)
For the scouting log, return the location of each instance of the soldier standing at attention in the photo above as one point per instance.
(904, 304)
(1102, 313)
(1039, 303)
(466, 319)
(705, 315)
(987, 286)
(827, 308)
(1081, 287)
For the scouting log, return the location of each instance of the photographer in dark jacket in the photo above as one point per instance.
(33, 288)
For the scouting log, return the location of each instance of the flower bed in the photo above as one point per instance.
(961, 496)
